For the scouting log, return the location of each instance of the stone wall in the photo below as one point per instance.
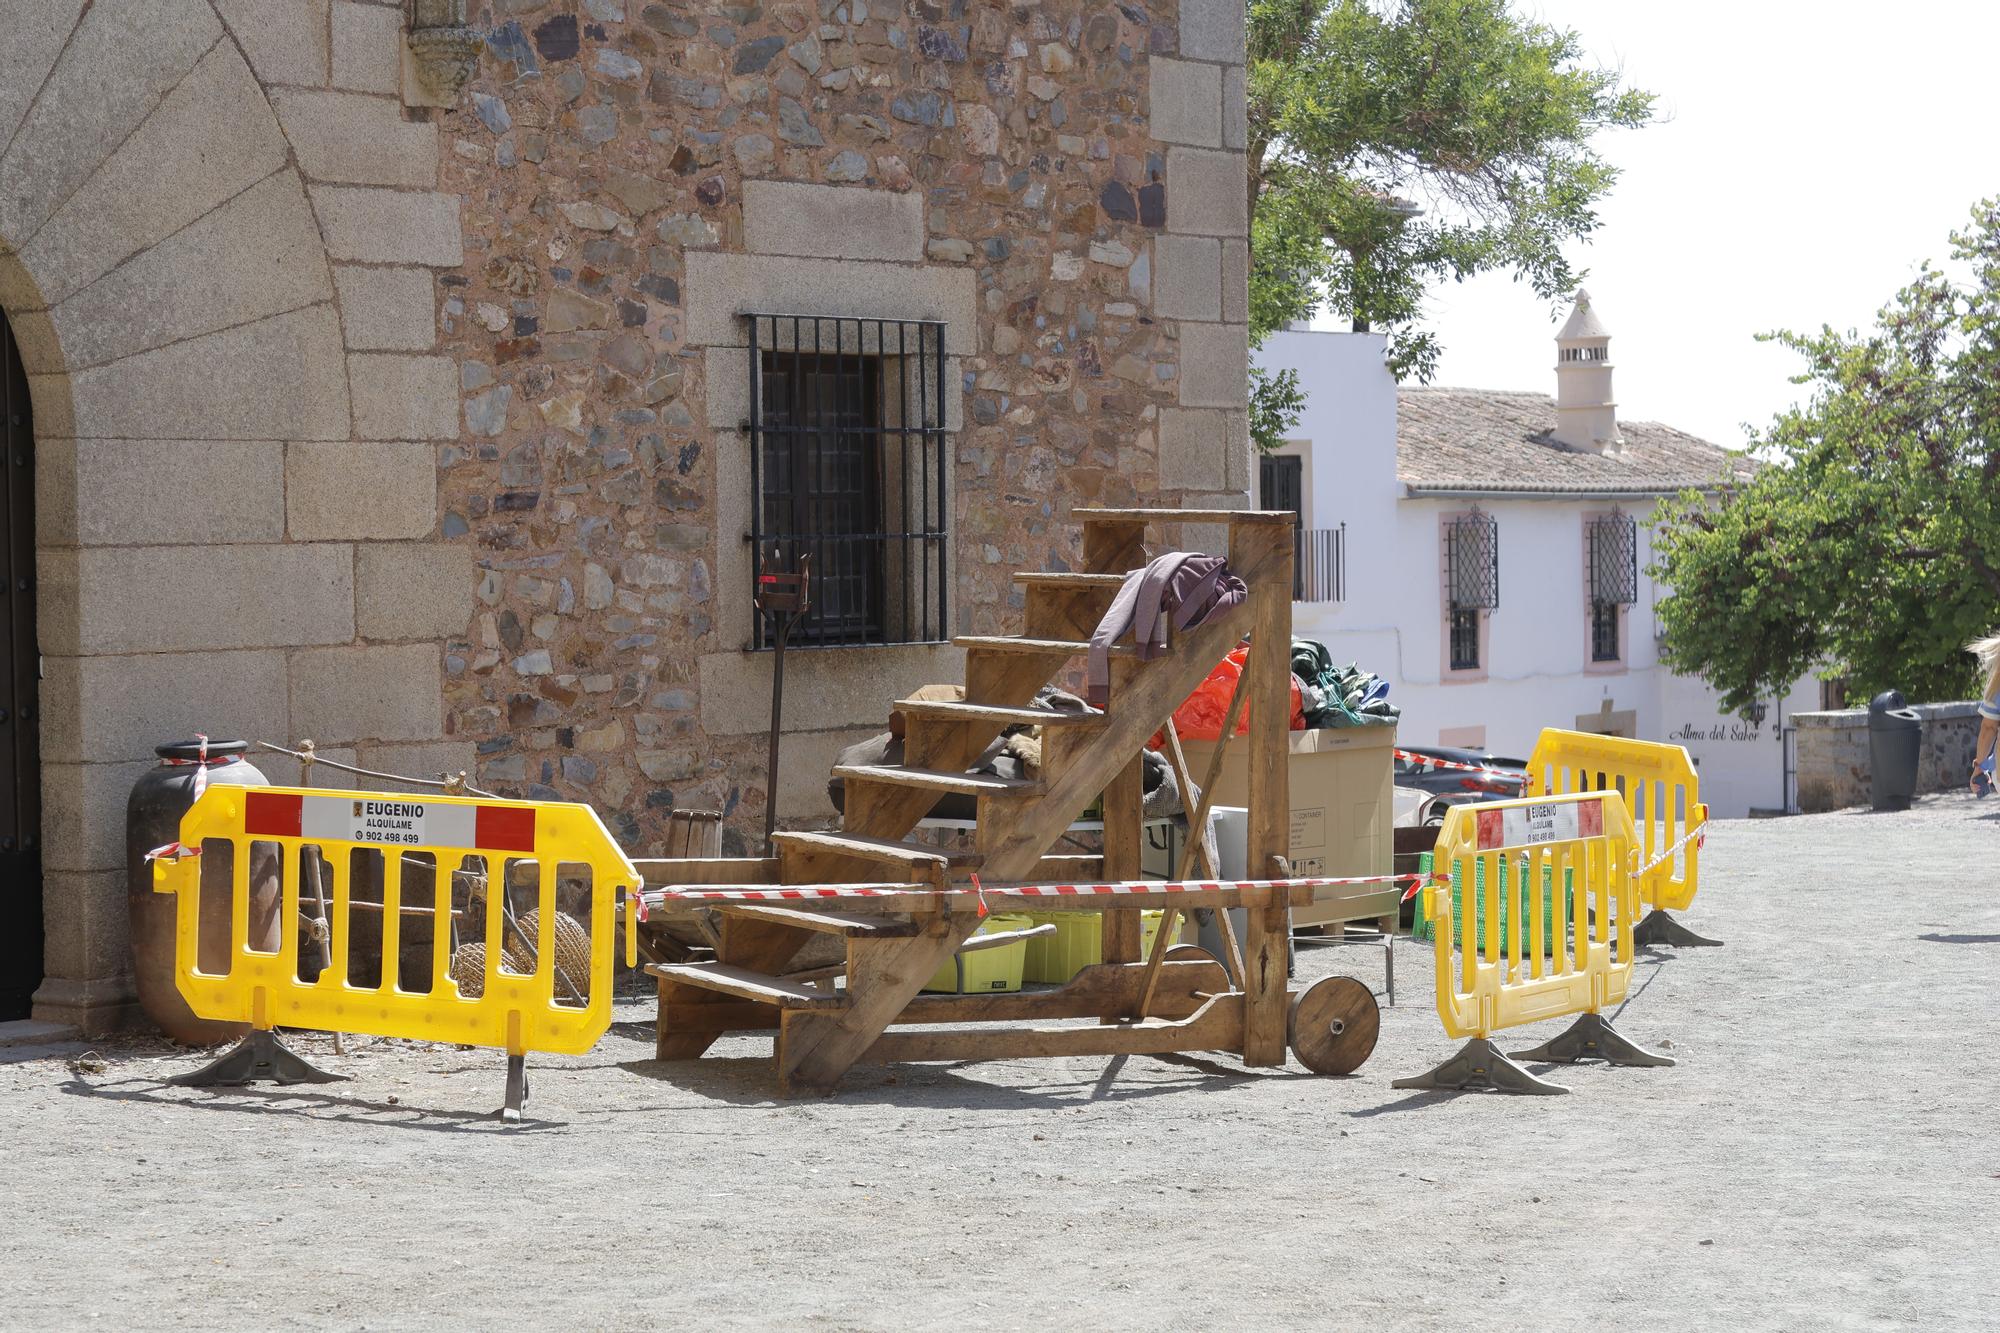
(1061, 183)
(414, 428)
(1832, 753)
(219, 245)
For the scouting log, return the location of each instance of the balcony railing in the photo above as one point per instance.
(1319, 564)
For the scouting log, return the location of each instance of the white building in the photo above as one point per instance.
(1495, 550)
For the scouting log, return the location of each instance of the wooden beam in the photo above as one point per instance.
(824, 921)
(1216, 1026)
(1104, 988)
(1265, 550)
(747, 985)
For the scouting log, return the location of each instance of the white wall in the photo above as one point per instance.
(1538, 671)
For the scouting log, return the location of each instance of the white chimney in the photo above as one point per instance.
(1586, 413)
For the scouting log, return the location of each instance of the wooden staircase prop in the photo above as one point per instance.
(895, 941)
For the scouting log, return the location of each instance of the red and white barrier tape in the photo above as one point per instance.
(1697, 835)
(1453, 764)
(807, 892)
(176, 851)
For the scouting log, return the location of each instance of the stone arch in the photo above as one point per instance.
(169, 289)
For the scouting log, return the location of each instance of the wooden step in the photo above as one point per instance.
(972, 784)
(1135, 516)
(880, 851)
(994, 643)
(825, 922)
(747, 985)
(1062, 579)
(1011, 717)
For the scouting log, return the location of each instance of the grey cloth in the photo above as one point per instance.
(1193, 587)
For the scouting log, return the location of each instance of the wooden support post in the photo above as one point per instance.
(1124, 801)
(1267, 548)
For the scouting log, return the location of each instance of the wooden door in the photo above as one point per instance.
(20, 717)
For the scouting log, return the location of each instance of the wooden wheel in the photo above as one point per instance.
(1188, 953)
(1334, 1024)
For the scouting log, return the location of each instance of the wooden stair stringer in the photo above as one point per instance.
(1031, 828)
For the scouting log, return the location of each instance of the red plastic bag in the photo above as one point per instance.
(1200, 717)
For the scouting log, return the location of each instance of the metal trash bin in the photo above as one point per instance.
(1895, 736)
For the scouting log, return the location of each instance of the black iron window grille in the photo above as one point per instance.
(847, 465)
(1613, 542)
(1319, 564)
(1464, 638)
(1472, 562)
(1605, 623)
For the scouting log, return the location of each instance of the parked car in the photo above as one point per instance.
(1491, 778)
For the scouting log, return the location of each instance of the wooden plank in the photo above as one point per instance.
(670, 871)
(815, 1049)
(1034, 578)
(1011, 717)
(824, 921)
(758, 946)
(882, 851)
(1262, 517)
(1184, 986)
(745, 984)
(1266, 550)
(1112, 547)
(1063, 648)
(1061, 612)
(1216, 1026)
(935, 781)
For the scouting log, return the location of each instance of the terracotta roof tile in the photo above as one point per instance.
(1482, 439)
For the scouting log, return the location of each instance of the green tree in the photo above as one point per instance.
(1396, 143)
(1870, 546)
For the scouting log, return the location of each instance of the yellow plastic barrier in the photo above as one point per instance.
(1663, 792)
(1552, 954)
(513, 989)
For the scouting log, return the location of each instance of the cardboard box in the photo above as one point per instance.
(1342, 812)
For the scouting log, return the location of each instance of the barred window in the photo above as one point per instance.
(1613, 541)
(1464, 638)
(1472, 562)
(1605, 624)
(847, 463)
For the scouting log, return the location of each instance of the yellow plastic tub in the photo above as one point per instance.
(988, 970)
(1078, 943)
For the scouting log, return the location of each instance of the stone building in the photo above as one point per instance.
(403, 390)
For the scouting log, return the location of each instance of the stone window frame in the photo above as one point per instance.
(910, 597)
(826, 690)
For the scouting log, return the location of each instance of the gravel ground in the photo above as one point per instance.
(1824, 1156)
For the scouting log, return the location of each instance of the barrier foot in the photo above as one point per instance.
(517, 1088)
(1591, 1038)
(259, 1057)
(1657, 928)
(1481, 1064)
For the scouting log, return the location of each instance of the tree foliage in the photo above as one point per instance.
(1870, 547)
(1359, 109)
